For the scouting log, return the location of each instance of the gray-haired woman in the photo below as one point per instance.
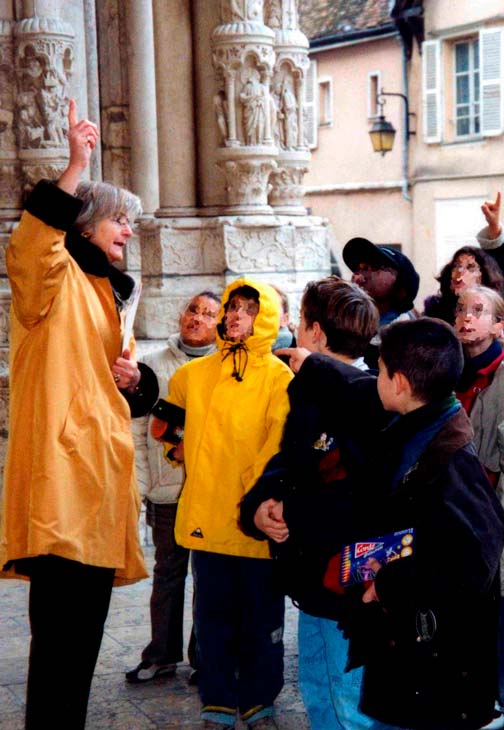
(70, 503)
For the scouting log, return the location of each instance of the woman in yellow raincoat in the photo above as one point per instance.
(70, 502)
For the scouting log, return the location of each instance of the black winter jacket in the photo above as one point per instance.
(320, 475)
(433, 663)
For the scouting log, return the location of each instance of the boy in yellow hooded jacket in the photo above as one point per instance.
(236, 403)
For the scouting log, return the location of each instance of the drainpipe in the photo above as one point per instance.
(405, 145)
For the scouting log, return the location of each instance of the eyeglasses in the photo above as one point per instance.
(477, 311)
(205, 313)
(470, 268)
(121, 220)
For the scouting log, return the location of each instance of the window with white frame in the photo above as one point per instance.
(467, 88)
(373, 92)
(462, 85)
(325, 98)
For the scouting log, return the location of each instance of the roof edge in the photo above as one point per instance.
(335, 38)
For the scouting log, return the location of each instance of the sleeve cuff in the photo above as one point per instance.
(489, 243)
(53, 206)
(147, 393)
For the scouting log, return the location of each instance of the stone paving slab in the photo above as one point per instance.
(165, 703)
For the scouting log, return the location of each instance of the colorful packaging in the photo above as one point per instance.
(355, 557)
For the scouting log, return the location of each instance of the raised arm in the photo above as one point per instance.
(82, 138)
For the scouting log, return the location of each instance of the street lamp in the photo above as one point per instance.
(382, 132)
(382, 135)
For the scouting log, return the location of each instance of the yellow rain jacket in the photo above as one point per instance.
(69, 488)
(232, 429)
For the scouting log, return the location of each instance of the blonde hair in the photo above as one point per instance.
(493, 297)
(102, 200)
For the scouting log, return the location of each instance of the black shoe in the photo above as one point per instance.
(194, 677)
(147, 671)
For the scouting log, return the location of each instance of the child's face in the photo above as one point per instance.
(239, 318)
(386, 388)
(474, 319)
(465, 273)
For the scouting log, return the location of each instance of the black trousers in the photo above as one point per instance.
(68, 606)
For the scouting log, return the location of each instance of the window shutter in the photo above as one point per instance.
(491, 65)
(431, 91)
(310, 105)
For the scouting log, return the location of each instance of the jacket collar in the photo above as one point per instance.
(92, 260)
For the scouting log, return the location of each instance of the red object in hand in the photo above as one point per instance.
(332, 575)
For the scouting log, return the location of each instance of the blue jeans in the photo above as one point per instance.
(239, 617)
(331, 695)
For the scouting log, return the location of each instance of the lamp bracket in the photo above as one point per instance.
(381, 101)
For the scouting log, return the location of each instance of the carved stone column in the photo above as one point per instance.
(10, 188)
(243, 59)
(235, 230)
(291, 47)
(44, 57)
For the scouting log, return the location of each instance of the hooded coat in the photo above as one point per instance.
(69, 488)
(232, 428)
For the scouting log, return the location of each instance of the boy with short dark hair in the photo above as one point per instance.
(305, 503)
(433, 664)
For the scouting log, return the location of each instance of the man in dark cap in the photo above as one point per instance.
(389, 277)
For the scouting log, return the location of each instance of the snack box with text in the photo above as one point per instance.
(355, 557)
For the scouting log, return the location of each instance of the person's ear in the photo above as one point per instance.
(497, 330)
(318, 335)
(401, 383)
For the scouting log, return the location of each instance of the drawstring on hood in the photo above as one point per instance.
(265, 327)
(239, 362)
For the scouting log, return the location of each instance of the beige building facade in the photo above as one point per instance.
(200, 105)
(424, 195)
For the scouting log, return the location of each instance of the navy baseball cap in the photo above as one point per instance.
(361, 251)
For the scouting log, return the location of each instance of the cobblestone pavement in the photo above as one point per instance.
(114, 705)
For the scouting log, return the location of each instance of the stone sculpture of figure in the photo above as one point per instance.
(221, 111)
(273, 13)
(289, 111)
(277, 127)
(30, 127)
(233, 10)
(50, 98)
(254, 109)
(32, 74)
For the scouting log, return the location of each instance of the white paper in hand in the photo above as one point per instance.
(129, 315)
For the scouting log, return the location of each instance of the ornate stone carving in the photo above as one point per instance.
(247, 183)
(311, 249)
(254, 109)
(236, 10)
(7, 88)
(287, 189)
(245, 112)
(44, 57)
(10, 192)
(273, 13)
(180, 251)
(291, 48)
(33, 171)
(259, 250)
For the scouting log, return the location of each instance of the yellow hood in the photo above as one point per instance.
(267, 322)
